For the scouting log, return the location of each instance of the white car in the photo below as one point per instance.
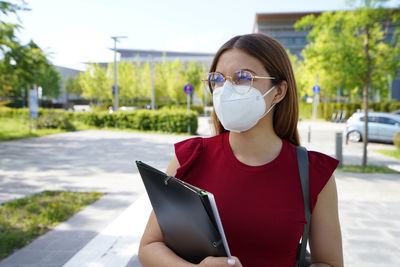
(381, 126)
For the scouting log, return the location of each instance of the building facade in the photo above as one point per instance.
(136, 55)
(64, 95)
(281, 27)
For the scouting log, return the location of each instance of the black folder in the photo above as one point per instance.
(187, 215)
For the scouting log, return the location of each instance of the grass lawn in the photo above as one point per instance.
(16, 128)
(391, 153)
(23, 220)
(367, 169)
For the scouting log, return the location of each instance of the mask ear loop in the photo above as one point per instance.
(265, 114)
(269, 91)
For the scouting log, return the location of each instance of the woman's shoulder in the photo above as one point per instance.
(189, 150)
(321, 169)
(317, 161)
(322, 163)
(196, 143)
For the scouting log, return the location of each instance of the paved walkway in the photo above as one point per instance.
(108, 232)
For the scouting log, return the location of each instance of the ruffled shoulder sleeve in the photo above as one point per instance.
(321, 168)
(187, 152)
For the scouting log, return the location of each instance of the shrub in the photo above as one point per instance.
(7, 112)
(56, 119)
(198, 108)
(305, 110)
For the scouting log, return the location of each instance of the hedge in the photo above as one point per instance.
(165, 120)
(305, 110)
(198, 108)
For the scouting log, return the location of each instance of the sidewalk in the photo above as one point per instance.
(108, 232)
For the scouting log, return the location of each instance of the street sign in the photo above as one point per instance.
(188, 89)
(316, 89)
(40, 92)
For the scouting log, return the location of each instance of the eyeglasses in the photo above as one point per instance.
(244, 78)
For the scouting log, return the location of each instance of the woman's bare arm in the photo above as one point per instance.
(325, 234)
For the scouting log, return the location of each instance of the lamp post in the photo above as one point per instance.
(116, 91)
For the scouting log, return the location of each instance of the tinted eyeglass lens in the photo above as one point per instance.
(215, 80)
(243, 79)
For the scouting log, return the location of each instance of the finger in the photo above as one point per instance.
(234, 261)
(220, 262)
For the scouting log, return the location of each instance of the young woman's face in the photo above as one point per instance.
(235, 59)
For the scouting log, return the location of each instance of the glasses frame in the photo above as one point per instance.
(225, 77)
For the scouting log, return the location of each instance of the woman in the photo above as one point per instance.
(250, 165)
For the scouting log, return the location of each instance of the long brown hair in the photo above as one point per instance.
(276, 62)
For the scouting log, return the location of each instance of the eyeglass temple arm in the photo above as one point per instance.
(261, 77)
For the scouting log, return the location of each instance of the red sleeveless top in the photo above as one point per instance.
(261, 207)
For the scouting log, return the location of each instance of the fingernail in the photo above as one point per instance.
(231, 261)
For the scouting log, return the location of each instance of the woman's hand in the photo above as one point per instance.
(220, 262)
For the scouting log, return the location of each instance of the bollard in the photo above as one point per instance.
(309, 134)
(339, 150)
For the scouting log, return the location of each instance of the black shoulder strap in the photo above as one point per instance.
(302, 162)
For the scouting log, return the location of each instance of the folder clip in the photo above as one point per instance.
(217, 244)
(167, 179)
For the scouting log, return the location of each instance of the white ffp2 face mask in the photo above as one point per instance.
(237, 112)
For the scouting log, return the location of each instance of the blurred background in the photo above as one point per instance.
(104, 83)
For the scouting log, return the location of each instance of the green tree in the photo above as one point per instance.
(30, 66)
(144, 84)
(95, 84)
(128, 80)
(8, 41)
(49, 79)
(161, 70)
(7, 7)
(72, 86)
(193, 75)
(298, 69)
(349, 48)
(176, 80)
(22, 66)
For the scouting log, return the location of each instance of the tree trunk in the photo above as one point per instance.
(365, 137)
(365, 95)
(66, 98)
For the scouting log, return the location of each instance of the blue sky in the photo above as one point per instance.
(76, 31)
